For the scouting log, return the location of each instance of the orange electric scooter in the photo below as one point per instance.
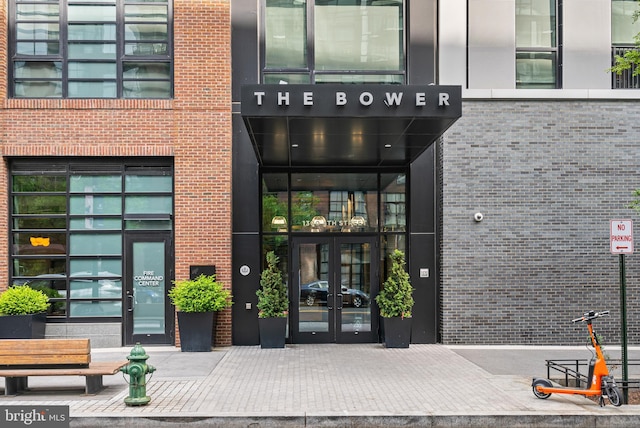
(600, 382)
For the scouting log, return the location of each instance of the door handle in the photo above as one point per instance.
(330, 301)
(339, 296)
(130, 305)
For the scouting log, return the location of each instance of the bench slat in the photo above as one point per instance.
(95, 368)
(44, 346)
(45, 352)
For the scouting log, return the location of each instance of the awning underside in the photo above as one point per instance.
(343, 141)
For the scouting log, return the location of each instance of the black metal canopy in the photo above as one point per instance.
(346, 125)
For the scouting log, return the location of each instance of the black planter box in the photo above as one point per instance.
(273, 332)
(196, 331)
(23, 326)
(397, 332)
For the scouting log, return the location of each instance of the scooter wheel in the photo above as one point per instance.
(614, 395)
(541, 382)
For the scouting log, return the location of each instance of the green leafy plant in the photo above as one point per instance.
(23, 300)
(203, 294)
(272, 295)
(396, 299)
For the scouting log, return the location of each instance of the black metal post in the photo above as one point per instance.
(623, 312)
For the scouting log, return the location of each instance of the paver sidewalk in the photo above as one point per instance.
(326, 384)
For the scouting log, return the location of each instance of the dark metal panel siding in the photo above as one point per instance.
(246, 197)
(422, 192)
(424, 328)
(245, 321)
(244, 45)
(421, 41)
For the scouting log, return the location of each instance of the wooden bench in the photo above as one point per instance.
(21, 358)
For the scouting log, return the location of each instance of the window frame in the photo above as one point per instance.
(68, 168)
(63, 57)
(555, 51)
(308, 74)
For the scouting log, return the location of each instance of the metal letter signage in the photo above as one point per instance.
(352, 100)
(621, 236)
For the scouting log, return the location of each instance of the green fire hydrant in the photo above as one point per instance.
(137, 370)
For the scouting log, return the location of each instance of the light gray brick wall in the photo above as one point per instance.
(548, 177)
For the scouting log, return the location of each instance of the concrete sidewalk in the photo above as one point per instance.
(364, 385)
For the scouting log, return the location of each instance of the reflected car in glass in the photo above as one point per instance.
(315, 294)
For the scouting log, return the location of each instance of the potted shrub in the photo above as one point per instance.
(23, 313)
(395, 301)
(197, 301)
(273, 305)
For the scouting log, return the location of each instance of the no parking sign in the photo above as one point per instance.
(621, 237)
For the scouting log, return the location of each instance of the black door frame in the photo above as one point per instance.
(334, 301)
(168, 338)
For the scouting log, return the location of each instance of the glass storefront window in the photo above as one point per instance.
(275, 211)
(334, 202)
(393, 215)
(95, 183)
(82, 276)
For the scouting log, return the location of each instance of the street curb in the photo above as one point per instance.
(458, 421)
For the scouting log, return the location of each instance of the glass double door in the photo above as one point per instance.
(148, 317)
(334, 280)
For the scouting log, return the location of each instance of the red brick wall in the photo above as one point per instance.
(194, 128)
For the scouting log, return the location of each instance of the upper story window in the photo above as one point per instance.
(91, 49)
(537, 40)
(333, 41)
(624, 29)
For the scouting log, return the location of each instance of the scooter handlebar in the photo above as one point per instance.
(591, 315)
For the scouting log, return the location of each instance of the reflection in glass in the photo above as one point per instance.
(536, 70)
(92, 289)
(313, 280)
(370, 37)
(355, 260)
(286, 34)
(149, 285)
(95, 309)
(95, 183)
(393, 198)
(148, 183)
(93, 244)
(623, 27)
(39, 183)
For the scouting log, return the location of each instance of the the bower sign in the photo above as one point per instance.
(352, 100)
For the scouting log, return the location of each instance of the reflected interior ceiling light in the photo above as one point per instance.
(318, 223)
(279, 221)
(387, 146)
(357, 221)
(295, 146)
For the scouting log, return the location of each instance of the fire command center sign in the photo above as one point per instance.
(621, 236)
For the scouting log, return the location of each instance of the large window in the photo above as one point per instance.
(67, 226)
(333, 41)
(537, 53)
(624, 29)
(91, 49)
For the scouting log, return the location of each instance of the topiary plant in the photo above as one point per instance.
(203, 294)
(272, 296)
(396, 299)
(23, 300)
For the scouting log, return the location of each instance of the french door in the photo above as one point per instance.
(333, 282)
(148, 317)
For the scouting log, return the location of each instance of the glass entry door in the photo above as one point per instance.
(148, 316)
(333, 281)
